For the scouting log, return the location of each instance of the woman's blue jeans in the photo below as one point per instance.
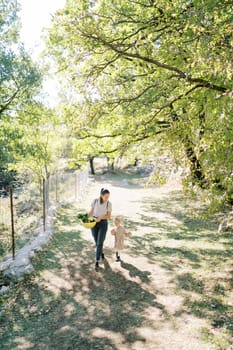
(99, 234)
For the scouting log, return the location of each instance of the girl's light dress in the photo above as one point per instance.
(120, 233)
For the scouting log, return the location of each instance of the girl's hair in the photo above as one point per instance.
(102, 193)
(118, 219)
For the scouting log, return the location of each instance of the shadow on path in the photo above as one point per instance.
(193, 253)
(70, 306)
(135, 272)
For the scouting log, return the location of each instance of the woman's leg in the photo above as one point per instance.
(94, 232)
(100, 238)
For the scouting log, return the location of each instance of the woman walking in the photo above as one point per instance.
(101, 209)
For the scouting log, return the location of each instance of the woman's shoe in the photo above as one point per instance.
(118, 258)
(97, 266)
(102, 256)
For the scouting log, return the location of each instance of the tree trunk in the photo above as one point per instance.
(111, 165)
(110, 162)
(40, 182)
(91, 161)
(195, 165)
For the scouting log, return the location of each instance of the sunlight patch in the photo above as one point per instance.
(116, 338)
(23, 344)
(56, 283)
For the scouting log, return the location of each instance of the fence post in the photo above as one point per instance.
(44, 205)
(12, 221)
(76, 186)
(56, 187)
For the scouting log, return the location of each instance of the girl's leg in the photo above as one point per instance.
(117, 256)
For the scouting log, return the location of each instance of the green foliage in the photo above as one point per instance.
(42, 142)
(152, 73)
(20, 80)
(19, 77)
(85, 218)
(31, 135)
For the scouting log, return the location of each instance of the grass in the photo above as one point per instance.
(173, 289)
(199, 258)
(40, 317)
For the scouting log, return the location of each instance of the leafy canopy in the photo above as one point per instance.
(156, 71)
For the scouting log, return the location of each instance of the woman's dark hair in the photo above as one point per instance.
(102, 193)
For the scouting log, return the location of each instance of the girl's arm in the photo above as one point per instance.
(128, 234)
(113, 231)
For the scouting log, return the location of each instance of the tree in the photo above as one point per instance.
(87, 139)
(19, 76)
(20, 81)
(43, 141)
(153, 71)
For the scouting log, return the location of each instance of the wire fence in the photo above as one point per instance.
(23, 209)
(64, 187)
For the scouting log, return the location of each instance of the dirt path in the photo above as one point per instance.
(171, 291)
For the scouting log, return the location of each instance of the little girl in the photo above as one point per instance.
(120, 233)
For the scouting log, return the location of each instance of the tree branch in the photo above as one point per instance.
(8, 102)
(99, 136)
(181, 74)
(169, 104)
(131, 99)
